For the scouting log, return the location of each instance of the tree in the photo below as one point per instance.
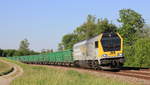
(23, 48)
(7, 52)
(69, 40)
(1, 52)
(92, 27)
(103, 25)
(24, 45)
(60, 47)
(87, 30)
(138, 54)
(10, 52)
(132, 23)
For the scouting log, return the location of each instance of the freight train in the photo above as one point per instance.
(104, 51)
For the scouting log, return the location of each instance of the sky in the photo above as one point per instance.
(44, 22)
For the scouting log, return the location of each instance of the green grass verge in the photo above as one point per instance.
(5, 68)
(39, 75)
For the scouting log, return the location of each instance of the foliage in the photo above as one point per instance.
(1, 52)
(90, 28)
(131, 28)
(86, 30)
(24, 45)
(23, 50)
(60, 47)
(103, 25)
(136, 38)
(68, 40)
(132, 24)
(138, 54)
(13, 52)
(9, 52)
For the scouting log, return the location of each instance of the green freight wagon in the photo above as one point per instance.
(62, 57)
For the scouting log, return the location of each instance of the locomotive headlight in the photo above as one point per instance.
(104, 55)
(120, 54)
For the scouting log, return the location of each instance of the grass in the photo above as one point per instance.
(4, 68)
(39, 75)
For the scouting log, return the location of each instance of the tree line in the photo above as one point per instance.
(22, 51)
(133, 29)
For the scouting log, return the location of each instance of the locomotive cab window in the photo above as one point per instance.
(111, 42)
(96, 44)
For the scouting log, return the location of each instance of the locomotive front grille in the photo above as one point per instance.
(107, 61)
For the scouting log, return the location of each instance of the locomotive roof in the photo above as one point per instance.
(84, 41)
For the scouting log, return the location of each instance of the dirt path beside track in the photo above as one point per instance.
(6, 79)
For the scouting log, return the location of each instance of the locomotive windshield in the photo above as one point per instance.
(111, 42)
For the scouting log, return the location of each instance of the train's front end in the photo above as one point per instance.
(110, 50)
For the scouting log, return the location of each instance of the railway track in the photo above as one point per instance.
(137, 77)
(132, 72)
(136, 74)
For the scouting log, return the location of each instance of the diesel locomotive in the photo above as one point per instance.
(102, 51)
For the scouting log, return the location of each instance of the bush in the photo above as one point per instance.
(138, 54)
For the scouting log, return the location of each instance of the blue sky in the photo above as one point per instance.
(44, 22)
